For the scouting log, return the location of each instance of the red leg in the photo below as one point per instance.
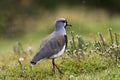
(54, 65)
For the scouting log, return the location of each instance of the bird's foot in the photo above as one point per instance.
(60, 71)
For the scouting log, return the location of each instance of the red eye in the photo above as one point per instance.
(64, 21)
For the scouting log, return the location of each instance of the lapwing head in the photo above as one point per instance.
(61, 23)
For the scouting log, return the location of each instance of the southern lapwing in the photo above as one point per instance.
(54, 45)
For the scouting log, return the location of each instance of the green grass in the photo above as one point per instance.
(91, 66)
(95, 67)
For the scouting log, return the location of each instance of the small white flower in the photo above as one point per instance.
(87, 44)
(78, 36)
(111, 47)
(118, 46)
(74, 51)
(84, 53)
(115, 46)
(67, 51)
(30, 48)
(118, 65)
(97, 48)
(79, 52)
(71, 76)
(107, 51)
(21, 59)
(92, 51)
(80, 49)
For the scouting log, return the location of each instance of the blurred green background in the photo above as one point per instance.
(30, 21)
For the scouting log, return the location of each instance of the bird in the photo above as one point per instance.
(54, 45)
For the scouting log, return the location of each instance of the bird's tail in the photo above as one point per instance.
(35, 59)
(32, 63)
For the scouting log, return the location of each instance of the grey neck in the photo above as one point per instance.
(60, 29)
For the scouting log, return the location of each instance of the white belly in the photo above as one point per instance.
(59, 53)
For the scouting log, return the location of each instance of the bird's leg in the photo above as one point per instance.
(54, 65)
(59, 70)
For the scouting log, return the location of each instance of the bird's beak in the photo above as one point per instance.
(68, 24)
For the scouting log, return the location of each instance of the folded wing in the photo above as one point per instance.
(51, 46)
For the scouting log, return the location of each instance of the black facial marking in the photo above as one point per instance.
(64, 21)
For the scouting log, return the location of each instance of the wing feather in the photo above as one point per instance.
(50, 46)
